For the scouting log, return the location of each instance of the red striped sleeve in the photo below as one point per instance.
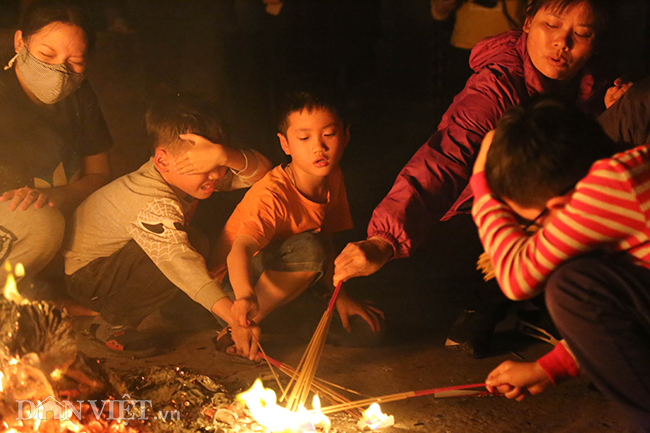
(609, 208)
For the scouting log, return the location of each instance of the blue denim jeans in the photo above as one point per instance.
(305, 252)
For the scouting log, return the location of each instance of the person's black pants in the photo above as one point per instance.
(601, 306)
(124, 287)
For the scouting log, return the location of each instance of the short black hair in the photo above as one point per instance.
(312, 99)
(173, 115)
(543, 148)
(600, 8)
(41, 13)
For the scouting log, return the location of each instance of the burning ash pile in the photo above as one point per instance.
(39, 365)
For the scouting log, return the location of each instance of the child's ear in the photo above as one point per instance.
(162, 160)
(284, 144)
(18, 41)
(347, 135)
(526, 27)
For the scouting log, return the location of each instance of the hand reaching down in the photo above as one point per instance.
(245, 309)
(518, 379)
(347, 307)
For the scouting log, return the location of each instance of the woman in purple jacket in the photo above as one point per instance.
(550, 55)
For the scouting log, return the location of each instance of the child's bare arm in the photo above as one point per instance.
(246, 306)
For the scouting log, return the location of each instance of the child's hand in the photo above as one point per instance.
(203, 157)
(347, 307)
(518, 379)
(25, 197)
(245, 309)
(479, 164)
(245, 339)
(615, 92)
(362, 258)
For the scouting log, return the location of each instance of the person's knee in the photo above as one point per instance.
(568, 287)
(312, 247)
(38, 237)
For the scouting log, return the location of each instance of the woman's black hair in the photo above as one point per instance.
(41, 13)
(600, 9)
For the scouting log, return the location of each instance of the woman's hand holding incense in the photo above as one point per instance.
(359, 259)
(518, 379)
(346, 306)
(204, 155)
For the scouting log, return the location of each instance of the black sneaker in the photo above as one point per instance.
(471, 333)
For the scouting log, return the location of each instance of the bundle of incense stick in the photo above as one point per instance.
(321, 387)
(306, 369)
(450, 391)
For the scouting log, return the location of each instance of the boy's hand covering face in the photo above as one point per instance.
(203, 157)
(479, 164)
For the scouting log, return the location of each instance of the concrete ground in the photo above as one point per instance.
(421, 296)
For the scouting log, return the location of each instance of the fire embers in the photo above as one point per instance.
(37, 328)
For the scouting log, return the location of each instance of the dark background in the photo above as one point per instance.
(392, 61)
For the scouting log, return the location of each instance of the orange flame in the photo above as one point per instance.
(374, 418)
(263, 406)
(11, 290)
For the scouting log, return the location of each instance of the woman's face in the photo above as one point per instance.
(559, 44)
(57, 44)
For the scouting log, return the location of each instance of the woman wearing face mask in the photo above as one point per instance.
(53, 137)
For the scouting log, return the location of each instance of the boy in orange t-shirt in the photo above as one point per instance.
(277, 241)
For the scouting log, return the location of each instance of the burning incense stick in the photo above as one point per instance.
(267, 359)
(450, 391)
(306, 369)
(323, 388)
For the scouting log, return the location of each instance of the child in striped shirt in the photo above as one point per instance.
(549, 165)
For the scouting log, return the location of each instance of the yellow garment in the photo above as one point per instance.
(475, 22)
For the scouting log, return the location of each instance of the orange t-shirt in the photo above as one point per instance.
(273, 209)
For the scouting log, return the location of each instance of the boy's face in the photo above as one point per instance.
(315, 141)
(559, 44)
(199, 186)
(540, 216)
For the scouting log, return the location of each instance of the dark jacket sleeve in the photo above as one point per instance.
(438, 173)
(627, 122)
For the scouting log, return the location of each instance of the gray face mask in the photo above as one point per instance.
(49, 83)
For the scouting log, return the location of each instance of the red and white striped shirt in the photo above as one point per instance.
(610, 209)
